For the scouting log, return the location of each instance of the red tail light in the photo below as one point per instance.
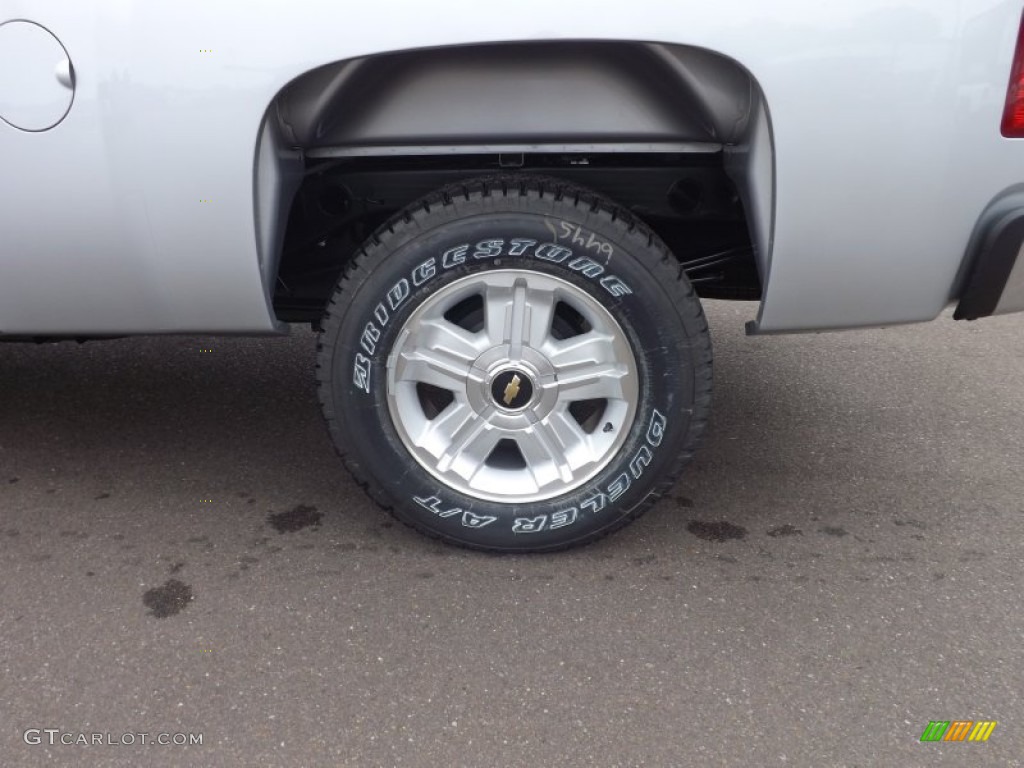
(1013, 117)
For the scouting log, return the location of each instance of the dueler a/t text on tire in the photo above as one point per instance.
(515, 364)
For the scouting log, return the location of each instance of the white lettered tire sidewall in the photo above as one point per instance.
(620, 264)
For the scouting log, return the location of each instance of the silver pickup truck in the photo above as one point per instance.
(502, 220)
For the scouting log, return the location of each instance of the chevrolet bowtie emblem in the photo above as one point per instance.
(512, 390)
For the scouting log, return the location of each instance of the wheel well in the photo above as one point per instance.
(656, 128)
(609, 93)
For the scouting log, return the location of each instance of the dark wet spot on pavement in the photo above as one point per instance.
(12, 532)
(251, 501)
(102, 496)
(117, 536)
(196, 540)
(167, 600)
(832, 530)
(177, 567)
(683, 501)
(785, 530)
(301, 516)
(644, 560)
(753, 578)
(90, 573)
(13, 480)
(51, 490)
(609, 577)
(938, 576)
(716, 531)
(424, 575)
(726, 558)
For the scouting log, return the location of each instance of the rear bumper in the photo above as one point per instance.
(995, 282)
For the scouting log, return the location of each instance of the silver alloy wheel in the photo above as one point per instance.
(512, 386)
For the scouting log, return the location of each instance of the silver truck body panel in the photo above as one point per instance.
(154, 206)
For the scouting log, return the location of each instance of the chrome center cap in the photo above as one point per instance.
(512, 389)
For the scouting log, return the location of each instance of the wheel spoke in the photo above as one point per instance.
(587, 368)
(591, 348)
(436, 435)
(471, 443)
(439, 334)
(425, 366)
(442, 356)
(571, 435)
(518, 315)
(598, 383)
(549, 447)
(516, 326)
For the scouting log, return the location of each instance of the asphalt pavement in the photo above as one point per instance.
(182, 556)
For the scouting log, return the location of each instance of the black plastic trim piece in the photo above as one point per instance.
(520, 94)
(992, 266)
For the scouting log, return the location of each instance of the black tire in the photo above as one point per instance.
(642, 286)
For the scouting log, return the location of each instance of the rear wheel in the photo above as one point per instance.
(515, 365)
